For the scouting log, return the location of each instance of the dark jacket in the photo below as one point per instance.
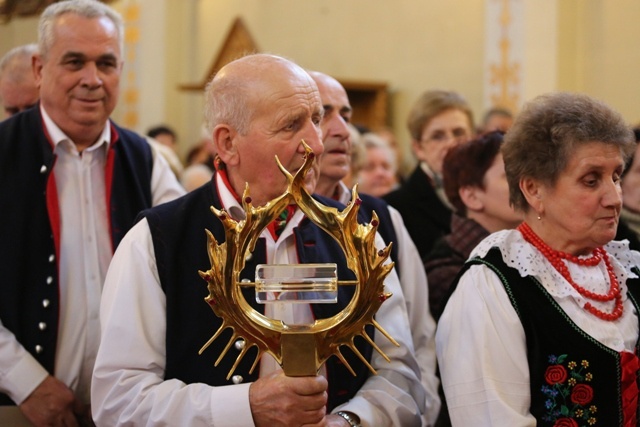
(424, 214)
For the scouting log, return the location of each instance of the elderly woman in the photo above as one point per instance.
(475, 184)
(438, 121)
(542, 328)
(377, 175)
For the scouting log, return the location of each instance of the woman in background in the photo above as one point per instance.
(438, 121)
(378, 175)
(476, 185)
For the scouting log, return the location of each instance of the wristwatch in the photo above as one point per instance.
(350, 417)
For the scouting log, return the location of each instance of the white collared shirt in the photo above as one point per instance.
(85, 253)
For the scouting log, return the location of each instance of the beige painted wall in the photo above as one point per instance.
(599, 52)
(413, 45)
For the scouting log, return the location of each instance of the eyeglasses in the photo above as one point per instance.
(459, 134)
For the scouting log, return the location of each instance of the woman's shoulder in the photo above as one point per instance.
(621, 252)
(503, 240)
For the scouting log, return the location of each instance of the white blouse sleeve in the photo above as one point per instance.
(482, 355)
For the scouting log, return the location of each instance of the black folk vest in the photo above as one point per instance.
(30, 226)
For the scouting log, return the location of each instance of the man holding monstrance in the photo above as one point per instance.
(153, 315)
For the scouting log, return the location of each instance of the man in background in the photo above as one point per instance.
(71, 183)
(257, 107)
(334, 166)
(18, 90)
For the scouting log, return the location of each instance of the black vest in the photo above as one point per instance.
(571, 374)
(180, 242)
(30, 227)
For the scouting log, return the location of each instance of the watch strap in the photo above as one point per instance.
(350, 417)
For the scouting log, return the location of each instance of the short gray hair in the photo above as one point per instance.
(89, 9)
(16, 64)
(226, 102)
(549, 129)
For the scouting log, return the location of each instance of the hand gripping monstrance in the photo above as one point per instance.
(299, 349)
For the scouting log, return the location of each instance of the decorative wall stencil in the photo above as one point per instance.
(129, 81)
(504, 54)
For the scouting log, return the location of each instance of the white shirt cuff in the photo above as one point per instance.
(230, 406)
(23, 378)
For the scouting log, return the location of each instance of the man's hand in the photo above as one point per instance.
(277, 400)
(51, 404)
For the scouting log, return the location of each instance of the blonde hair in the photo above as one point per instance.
(430, 104)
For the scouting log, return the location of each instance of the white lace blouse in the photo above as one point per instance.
(480, 341)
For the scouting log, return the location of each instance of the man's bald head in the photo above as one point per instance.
(246, 81)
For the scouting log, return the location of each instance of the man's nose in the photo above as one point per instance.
(91, 75)
(312, 135)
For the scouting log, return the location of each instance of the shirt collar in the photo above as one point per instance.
(229, 201)
(343, 193)
(57, 135)
(235, 210)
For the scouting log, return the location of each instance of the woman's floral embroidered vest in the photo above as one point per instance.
(575, 380)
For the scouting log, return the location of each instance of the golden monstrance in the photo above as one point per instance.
(299, 349)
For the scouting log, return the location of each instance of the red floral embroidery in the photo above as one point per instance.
(568, 395)
(565, 422)
(582, 394)
(555, 374)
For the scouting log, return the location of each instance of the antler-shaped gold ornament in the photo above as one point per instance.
(299, 349)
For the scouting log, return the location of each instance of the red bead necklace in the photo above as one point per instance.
(599, 254)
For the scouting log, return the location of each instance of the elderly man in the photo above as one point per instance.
(258, 107)
(71, 183)
(334, 166)
(18, 89)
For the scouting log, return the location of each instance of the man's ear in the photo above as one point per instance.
(224, 143)
(533, 192)
(36, 65)
(470, 197)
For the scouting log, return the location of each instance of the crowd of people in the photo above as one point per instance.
(513, 289)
